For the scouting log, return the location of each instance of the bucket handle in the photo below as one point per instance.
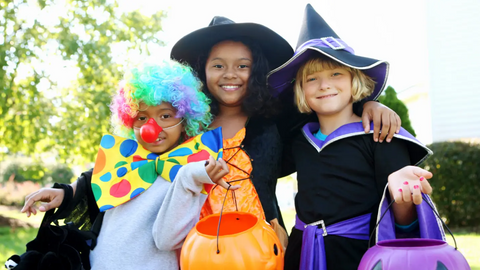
(226, 194)
(221, 213)
(433, 209)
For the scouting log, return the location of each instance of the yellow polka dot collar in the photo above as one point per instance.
(124, 169)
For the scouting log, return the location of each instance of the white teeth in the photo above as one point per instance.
(158, 139)
(230, 86)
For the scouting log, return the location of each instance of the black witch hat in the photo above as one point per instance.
(276, 49)
(316, 36)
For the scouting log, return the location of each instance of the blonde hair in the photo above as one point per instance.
(362, 84)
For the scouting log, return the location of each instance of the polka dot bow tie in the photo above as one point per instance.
(124, 169)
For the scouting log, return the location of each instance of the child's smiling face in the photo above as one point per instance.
(227, 71)
(164, 114)
(328, 91)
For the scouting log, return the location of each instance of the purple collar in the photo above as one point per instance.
(420, 153)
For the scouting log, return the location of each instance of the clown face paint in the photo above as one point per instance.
(165, 116)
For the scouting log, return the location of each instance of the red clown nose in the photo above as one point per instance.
(150, 131)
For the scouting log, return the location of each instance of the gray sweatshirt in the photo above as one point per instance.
(148, 231)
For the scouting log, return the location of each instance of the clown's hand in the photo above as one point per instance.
(216, 170)
(407, 184)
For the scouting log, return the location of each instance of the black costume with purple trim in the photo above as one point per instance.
(344, 177)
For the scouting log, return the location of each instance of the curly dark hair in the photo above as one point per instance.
(259, 100)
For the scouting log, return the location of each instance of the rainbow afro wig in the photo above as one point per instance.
(167, 81)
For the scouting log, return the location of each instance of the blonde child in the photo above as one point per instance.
(342, 173)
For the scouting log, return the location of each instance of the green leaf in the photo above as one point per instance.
(34, 119)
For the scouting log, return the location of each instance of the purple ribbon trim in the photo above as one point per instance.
(356, 127)
(313, 247)
(329, 42)
(429, 227)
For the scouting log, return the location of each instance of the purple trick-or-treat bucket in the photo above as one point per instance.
(413, 254)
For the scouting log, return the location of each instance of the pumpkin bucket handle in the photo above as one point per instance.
(221, 212)
(433, 209)
(226, 194)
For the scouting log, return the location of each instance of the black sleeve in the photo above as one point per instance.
(289, 123)
(262, 144)
(290, 119)
(389, 157)
(64, 210)
(82, 209)
(287, 163)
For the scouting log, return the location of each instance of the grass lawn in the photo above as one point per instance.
(13, 242)
(469, 246)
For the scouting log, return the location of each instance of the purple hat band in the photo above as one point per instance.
(326, 42)
(282, 77)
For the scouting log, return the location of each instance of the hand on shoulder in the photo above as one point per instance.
(382, 117)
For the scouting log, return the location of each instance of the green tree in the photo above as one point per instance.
(37, 41)
(390, 99)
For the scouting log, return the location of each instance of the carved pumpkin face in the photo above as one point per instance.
(244, 242)
(406, 254)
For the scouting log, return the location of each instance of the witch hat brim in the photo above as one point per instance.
(188, 49)
(316, 37)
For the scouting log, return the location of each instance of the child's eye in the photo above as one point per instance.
(165, 116)
(336, 74)
(243, 66)
(311, 79)
(217, 66)
(142, 118)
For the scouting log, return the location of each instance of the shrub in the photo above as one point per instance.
(38, 173)
(456, 175)
(61, 174)
(25, 171)
(13, 170)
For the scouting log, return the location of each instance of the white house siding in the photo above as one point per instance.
(453, 36)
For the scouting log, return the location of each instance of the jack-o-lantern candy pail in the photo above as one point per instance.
(243, 242)
(413, 254)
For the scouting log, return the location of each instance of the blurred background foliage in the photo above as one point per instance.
(456, 173)
(43, 43)
(389, 98)
(38, 173)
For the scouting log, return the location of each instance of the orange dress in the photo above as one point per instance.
(245, 199)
